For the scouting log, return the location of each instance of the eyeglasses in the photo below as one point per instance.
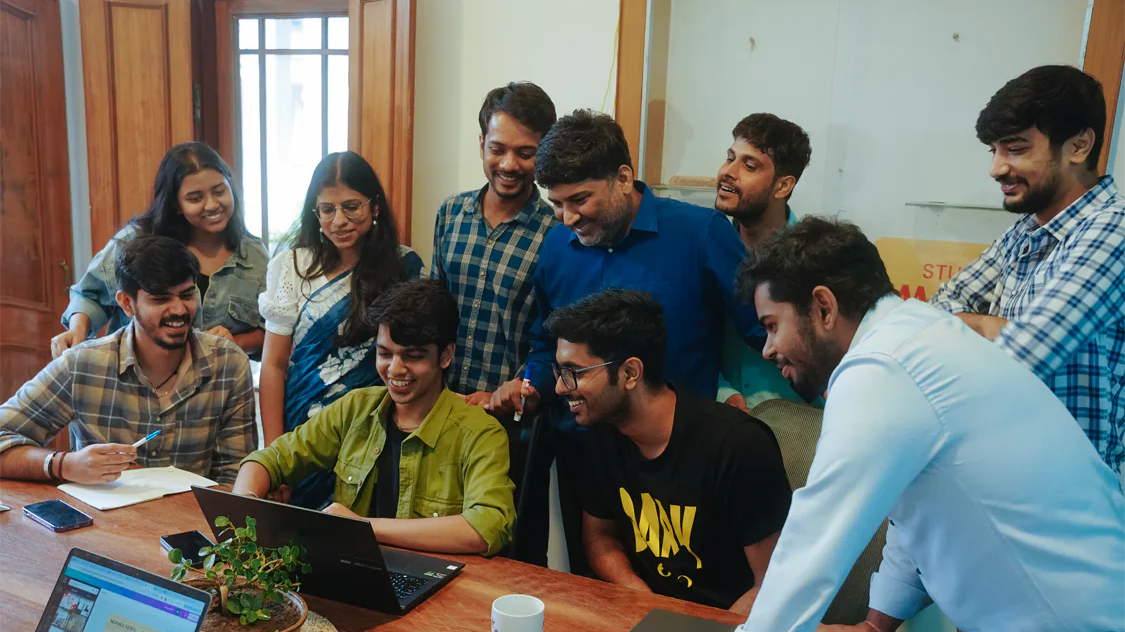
(570, 376)
(351, 210)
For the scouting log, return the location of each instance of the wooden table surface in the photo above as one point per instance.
(32, 556)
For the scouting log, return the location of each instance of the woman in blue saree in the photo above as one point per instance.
(342, 252)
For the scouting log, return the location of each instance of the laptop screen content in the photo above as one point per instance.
(93, 598)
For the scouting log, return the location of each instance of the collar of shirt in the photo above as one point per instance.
(1061, 225)
(201, 353)
(431, 427)
(883, 308)
(523, 217)
(646, 220)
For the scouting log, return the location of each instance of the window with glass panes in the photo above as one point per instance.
(293, 96)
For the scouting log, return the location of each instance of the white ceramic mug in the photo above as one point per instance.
(517, 613)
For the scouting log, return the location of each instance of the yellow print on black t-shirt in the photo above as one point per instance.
(662, 532)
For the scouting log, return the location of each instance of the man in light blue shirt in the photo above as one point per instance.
(763, 164)
(1000, 511)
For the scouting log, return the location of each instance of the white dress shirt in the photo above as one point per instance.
(1001, 511)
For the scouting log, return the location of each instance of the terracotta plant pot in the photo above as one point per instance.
(294, 598)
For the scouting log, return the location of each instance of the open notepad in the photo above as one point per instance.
(136, 486)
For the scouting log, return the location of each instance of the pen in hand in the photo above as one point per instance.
(526, 383)
(150, 436)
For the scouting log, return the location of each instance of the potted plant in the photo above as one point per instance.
(250, 585)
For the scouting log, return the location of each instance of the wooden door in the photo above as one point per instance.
(381, 125)
(35, 246)
(137, 66)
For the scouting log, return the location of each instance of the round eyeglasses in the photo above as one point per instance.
(569, 376)
(351, 209)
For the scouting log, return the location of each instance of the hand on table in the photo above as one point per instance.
(506, 399)
(98, 463)
(336, 509)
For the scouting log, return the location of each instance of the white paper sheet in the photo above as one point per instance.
(136, 486)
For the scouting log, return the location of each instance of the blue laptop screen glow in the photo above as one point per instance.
(100, 599)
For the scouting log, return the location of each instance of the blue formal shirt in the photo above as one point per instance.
(686, 256)
(1000, 510)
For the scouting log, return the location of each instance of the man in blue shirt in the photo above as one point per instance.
(763, 164)
(617, 233)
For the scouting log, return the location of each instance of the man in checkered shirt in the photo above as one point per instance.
(1051, 290)
(486, 243)
(153, 374)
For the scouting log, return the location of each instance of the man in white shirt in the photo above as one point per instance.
(1000, 509)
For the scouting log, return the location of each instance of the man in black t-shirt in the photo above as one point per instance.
(684, 496)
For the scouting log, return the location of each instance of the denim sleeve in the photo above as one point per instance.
(95, 293)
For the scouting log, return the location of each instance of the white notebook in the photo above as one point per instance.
(136, 486)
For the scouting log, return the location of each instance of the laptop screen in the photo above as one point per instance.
(95, 597)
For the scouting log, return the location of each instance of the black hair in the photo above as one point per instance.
(616, 325)
(418, 312)
(1059, 101)
(817, 251)
(154, 264)
(379, 265)
(583, 145)
(523, 101)
(164, 216)
(783, 141)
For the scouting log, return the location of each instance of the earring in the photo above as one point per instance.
(374, 221)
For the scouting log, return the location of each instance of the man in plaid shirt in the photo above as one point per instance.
(153, 374)
(1051, 290)
(486, 243)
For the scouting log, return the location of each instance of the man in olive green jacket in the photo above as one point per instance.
(452, 493)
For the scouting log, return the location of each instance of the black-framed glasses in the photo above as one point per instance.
(351, 209)
(569, 376)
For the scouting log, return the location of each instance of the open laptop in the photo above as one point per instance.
(94, 593)
(665, 621)
(348, 565)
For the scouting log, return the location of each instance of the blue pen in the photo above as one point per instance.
(146, 439)
(526, 382)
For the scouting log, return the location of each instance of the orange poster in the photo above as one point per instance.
(918, 267)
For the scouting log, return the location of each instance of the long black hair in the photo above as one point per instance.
(379, 265)
(164, 216)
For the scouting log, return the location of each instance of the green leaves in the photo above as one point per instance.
(250, 575)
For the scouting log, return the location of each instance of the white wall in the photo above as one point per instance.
(887, 95)
(464, 48)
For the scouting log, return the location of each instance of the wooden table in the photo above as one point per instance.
(31, 557)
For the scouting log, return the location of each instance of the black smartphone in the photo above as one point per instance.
(57, 516)
(189, 543)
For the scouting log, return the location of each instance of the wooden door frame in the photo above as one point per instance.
(627, 103)
(1104, 61)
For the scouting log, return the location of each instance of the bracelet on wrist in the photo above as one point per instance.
(62, 459)
(47, 466)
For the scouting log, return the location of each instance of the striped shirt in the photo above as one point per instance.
(491, 271)
(207, 428)
(1061, 287)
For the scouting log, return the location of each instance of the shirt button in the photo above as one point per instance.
(378, 450)
(470, 338)
(611, 250)
(476, 303)
(435, 514)
(482, 274)
(349, 479)
(491, 241)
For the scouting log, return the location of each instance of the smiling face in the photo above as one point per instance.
(507, 150)
(412, 374)
(599, 212)
(595, 400)
(746, 182)
(206, 201)
(807, 357)
(164, 318)
(343, 232)
(1029, 170)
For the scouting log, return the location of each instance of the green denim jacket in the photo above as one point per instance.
(455, 463)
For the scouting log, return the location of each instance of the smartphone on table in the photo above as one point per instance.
(57, 516)
(189, 543)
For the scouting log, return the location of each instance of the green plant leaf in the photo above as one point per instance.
(240, 532)
(210, 574)
(222, 521)
(277, 597)
(263, 615)
(178, 573)
(306, 568)
(250, 548)
(230, 581)
(175, 556)
(252, 616)
(205, 550)
(234, 607)
(209, 561)
(251, 522)
(243, 620)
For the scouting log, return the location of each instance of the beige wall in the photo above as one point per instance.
(464, 48)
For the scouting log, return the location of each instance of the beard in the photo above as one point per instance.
(820, 359)
(612, 226)
(524, 186)
(1037, 198)
(749, 211)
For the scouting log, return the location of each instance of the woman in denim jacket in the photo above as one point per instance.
(195, 201)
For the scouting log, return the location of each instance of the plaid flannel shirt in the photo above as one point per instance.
(491, 271)
(208, 427)
(1062, 289)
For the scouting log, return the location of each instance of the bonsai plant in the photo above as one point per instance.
(253, 583)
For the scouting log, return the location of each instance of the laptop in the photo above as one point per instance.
(94, 593)
(348, 565)
(665, 621)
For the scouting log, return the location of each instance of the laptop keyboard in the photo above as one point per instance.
(405, 585)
